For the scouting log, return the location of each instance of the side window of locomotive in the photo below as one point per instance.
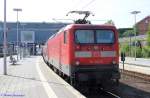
(65, 37)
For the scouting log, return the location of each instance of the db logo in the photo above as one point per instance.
(96, 54)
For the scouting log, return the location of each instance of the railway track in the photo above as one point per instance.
(109, 94)
(142, 76)
(100, 93)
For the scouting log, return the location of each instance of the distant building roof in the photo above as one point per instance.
(146, 18)
(43, 30)
(143, 25)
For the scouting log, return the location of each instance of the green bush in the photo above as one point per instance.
(125, 48)
(146, 51)
(148, 38)
(143, 52)
(138, 52)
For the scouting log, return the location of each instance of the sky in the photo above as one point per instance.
(47, 10)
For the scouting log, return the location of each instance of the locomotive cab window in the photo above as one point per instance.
(84, 36)
(104, 36)
(94, 36)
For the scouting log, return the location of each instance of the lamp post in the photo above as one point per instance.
(17, 10)
(5, 40)
(130, 44)
(135, 13)
(22, 48)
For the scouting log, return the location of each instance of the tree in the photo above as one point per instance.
(110, 22)
(128, 33)
(123, 30)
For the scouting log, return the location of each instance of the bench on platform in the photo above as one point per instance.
(13, 60)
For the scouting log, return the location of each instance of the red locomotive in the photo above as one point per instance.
(84, 53)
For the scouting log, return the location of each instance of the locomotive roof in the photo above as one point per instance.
(90, 26)
(84, 26)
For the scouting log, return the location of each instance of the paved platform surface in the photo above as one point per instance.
(141, 65)
(31, 78)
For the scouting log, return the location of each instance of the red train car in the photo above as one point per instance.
(85, 53)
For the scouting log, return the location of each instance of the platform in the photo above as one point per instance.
(140, 65)
(32, 78)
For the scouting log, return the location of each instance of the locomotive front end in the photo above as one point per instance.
(96, 57)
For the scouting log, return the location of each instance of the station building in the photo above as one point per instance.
(30, 34)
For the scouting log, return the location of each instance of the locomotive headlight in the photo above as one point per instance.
(95, 47)
(77, 62)
(78, 47)
(114, 62)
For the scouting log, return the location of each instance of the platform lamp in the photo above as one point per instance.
(5, 40)
(23, 44)
(17, 10)
(135, 13)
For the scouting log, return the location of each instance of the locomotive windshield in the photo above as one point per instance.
(94, 36)
(84, 36)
